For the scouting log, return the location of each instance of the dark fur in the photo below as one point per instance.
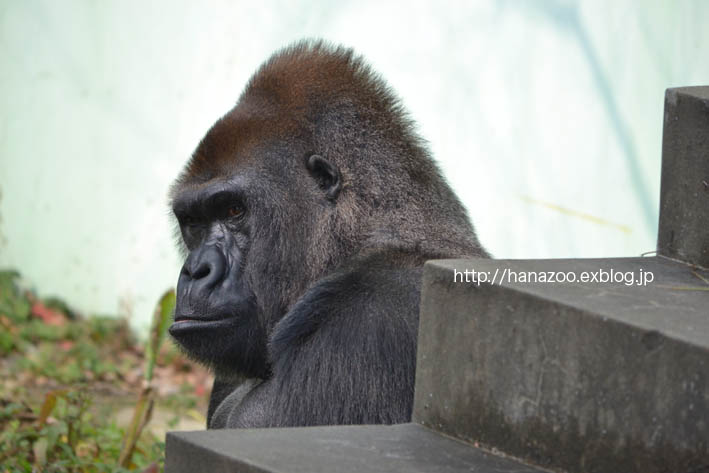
(342, 206)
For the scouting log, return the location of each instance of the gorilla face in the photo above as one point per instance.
(246, 236)
(213, 297)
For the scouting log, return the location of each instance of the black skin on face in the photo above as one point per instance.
(215, 316)
(306, 215)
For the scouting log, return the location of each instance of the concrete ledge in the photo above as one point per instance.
(585, 377)
(684, 194)
(355, 449)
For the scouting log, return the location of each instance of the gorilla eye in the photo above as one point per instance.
(188, 221)
(235, 212)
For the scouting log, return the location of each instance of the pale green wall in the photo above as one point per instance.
(559, 102)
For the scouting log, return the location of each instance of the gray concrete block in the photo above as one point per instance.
(584, 377)
(684, 194)
(346, 449)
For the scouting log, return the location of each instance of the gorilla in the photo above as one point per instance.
(306, 215)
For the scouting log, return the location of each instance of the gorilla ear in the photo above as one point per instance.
(326, 174)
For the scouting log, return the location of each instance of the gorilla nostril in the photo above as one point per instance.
(202, 271)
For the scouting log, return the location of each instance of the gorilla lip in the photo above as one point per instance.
(185, 324)
(185, 319)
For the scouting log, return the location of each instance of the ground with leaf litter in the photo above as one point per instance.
(71, 386)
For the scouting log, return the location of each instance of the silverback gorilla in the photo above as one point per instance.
(307, 213)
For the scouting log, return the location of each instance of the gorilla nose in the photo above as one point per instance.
(203, 270)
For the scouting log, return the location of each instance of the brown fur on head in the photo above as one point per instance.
(315, 98)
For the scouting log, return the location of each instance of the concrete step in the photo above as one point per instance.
(684, 193)
(343, 449)
(574, 376)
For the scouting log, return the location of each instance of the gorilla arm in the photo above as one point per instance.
(345, 354)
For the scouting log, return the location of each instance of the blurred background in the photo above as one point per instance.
(545, 116)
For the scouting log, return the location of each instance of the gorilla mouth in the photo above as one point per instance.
(185, 323)
(210, 318)
(188, 320)
(179, 318)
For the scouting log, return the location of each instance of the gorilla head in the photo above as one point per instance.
(314, 176)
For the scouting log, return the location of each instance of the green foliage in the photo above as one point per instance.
(14, 308)
(144, 407)
(74, 439)
(161, 320)
(56, 367)
(12, 302)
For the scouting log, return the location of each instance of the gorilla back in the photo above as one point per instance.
(306, 214)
